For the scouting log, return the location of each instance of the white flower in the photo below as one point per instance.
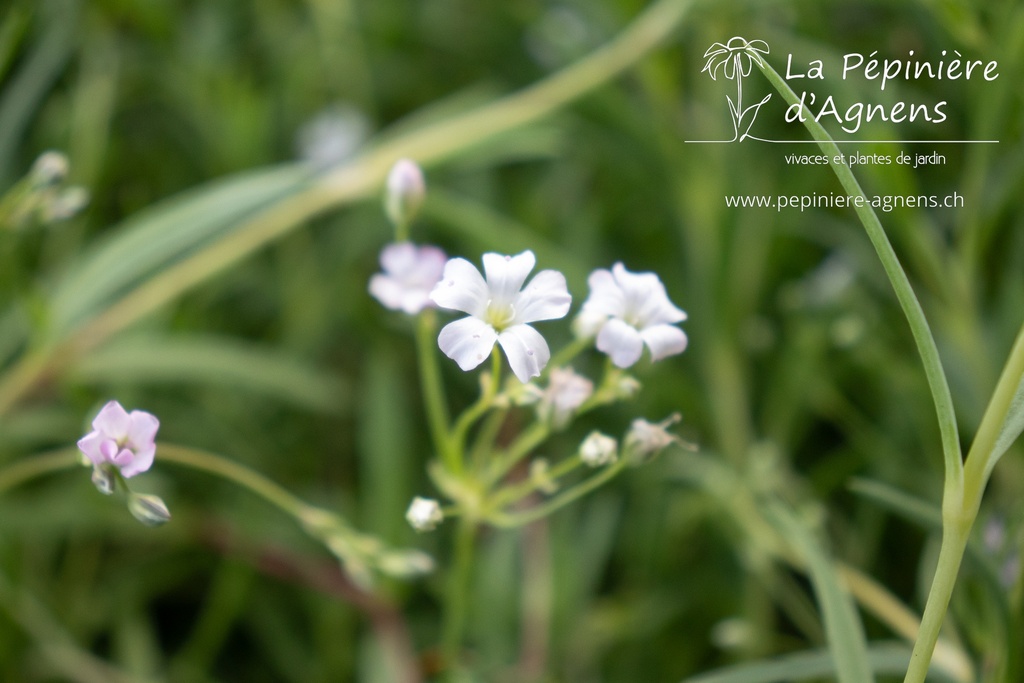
(410, 273)
(627, 310)
(566, 392)
(424, 514)
(598, 449)
(500, 309)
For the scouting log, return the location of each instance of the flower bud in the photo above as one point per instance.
(49, 169)
(403, 564)
(103, 479)
(406, 189)
(148, 509)
(598, 450)
(540, 475)
(645, 440)
(424, 514)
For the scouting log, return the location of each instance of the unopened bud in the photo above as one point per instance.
(49, 169)
(424, 514)
(148, 509)
(598, 450)
(403, 564)
(406, 190)
(103, 479)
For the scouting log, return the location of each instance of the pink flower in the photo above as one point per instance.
(410, 273)
(122, 439)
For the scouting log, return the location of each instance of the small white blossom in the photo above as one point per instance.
(406, 189)
(598, 450)
(627, 310)
(645, 439)
(410, 273)
(424, 514)
(500, 309)
(566, 392)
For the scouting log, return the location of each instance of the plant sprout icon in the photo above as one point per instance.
(735, 59)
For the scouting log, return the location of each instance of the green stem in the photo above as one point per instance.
(954, 541)
(263, 487)
(473, 413)
(559, 501)
(25, 470)
(904, 292)
(457, 599)
(432, 387)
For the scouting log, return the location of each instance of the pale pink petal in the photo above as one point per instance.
(545, 298)
(664, 340)
(90, 447)
(142, 461)
(526, 350)
(142, 432)
(388, 291)
(621, 342)
(468, 341)
(506, 275)
(113, 421)
(462, 288)
(398, 258)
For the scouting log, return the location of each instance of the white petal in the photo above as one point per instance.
(526, 349)
(545, 298)
(664, 340)
(462, 288)
(621, 342)
(606, 296)
(468, 341)
(646, 302)
(506, 275)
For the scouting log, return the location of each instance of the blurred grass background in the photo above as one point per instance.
(801, 372)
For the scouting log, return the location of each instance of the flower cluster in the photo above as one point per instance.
(501, 304)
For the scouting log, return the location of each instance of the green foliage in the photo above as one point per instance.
(219, 282)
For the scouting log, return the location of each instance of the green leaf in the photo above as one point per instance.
(1012, 426)
(846, 640)
(163, 234)
(882, 658)
(213, 361)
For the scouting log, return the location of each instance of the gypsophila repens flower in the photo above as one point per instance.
(424, 514)
(566, 392)
(410, 274)
(121, 439)
(499, 310)
(628, 310)
(599, 449)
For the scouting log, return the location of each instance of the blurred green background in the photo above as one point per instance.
(801, 372)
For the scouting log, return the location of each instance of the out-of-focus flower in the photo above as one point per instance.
(410, 273)
(424, 514)
(540, 475)
(405, 192)
(121, 439)
(500, 309)
(736, 56)
(49, 169)
(333, 135)
(627, 310)
(599, 449)
(645, 439)
(566, 392)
